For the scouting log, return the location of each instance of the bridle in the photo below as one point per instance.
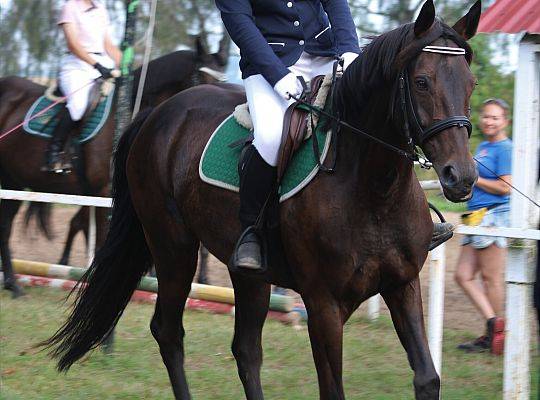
(410, 118)
(419, 134)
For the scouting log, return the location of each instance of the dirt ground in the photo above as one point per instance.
(31, 245)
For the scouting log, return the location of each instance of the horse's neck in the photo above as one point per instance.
(380, 172)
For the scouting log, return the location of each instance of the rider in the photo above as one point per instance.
(278, 41)
(91, 55)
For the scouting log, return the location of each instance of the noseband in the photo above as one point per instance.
(420, 135)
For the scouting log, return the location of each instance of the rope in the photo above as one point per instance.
(60, 100)
(146, 59)
(509, 184)
(400, 151)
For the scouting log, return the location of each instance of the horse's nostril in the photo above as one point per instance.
(449, 176)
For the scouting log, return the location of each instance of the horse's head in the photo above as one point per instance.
(211, 66)
(437, 85)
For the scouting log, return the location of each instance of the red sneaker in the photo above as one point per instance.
(496, 334)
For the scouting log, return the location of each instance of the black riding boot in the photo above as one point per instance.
(257, 179)
(56, 144)
(442, 231)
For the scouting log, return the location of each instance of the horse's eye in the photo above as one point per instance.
(421, 83)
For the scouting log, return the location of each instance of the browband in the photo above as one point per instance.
(453, 51)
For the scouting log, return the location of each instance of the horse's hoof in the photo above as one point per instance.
(203, 280)
(107, 348)
(15, 290)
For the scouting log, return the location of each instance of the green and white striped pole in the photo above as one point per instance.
(123, 100)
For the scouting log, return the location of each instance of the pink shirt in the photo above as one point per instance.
(92, 23)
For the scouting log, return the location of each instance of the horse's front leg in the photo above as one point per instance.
(405, 304)
(252, 299)
(325, 324)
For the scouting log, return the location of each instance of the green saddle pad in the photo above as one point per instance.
(219, 162)
(45, 124)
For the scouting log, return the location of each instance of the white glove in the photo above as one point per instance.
(288, 85)
(348, 58)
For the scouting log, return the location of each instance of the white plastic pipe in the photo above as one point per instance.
(437, 269)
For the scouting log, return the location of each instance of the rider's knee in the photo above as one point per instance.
(77, 109)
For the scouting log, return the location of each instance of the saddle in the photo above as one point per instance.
(295, 124)
(298, 123)
(99, 89)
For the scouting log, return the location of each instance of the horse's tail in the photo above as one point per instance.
(114, 274)
(42, 213)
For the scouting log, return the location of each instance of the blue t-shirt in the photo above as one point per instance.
(497, 157)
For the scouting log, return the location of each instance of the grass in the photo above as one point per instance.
(438, 200)
(375, 365)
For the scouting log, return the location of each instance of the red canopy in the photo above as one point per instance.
(511, 16)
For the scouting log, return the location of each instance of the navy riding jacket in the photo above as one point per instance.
(272, 34)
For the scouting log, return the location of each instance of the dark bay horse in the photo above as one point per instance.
(21, 155)
(363, 230)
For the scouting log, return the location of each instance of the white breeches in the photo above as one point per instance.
(74, 74)
(267, 108)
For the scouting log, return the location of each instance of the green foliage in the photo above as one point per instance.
(492, 83)
(31, 43)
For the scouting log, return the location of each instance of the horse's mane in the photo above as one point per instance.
(381, 60)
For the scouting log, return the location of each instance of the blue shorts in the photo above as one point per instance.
(498, 216)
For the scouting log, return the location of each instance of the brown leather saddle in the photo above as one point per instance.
(295, 125)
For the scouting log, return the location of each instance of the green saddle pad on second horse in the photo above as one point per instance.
(45, 124)
(219, 162)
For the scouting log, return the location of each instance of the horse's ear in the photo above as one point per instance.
(200, 47)
(467, 25)
(425, 19)
(224, 47)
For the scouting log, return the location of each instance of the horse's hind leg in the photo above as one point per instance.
(252, 299)
(405, 304)
(8, 209)
(78, 223)
(203, 266)
(175, 267)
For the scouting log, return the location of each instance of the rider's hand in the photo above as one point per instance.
(348, 58)
(105, 72)
(288, 85)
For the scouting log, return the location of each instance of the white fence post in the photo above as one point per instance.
(91, 235)
(519, 276)
(437, 269)
(374, 307)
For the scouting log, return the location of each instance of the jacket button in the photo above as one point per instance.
(296, 23)
(301, 42)
(289, 4)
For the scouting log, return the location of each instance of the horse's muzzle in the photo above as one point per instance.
(457, 183)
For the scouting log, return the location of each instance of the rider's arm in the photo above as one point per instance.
(70, 31)
(237, 16)
(340, 17)
(112, 50)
